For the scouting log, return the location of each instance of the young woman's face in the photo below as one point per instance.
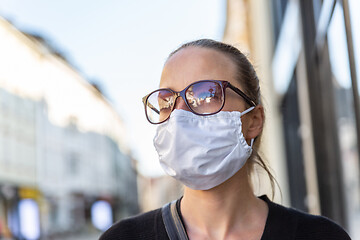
(193, 64)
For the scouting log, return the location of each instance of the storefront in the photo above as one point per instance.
(19, 212)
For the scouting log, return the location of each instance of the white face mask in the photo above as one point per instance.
(202, 151)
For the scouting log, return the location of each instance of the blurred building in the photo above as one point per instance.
(63, 147)
(244, 30)
(308, 57)
(154, 192)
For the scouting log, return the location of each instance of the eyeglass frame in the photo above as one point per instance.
(223, 84)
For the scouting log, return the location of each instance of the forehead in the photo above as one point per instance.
(196, 63)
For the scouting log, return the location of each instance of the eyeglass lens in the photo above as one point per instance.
(202, 98)
(205, 97)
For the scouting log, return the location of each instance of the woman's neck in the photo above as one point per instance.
(226, 211)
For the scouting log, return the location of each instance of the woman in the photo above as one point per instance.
(210, 120)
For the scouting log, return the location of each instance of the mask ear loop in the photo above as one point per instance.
(243, 113)
(246, 111)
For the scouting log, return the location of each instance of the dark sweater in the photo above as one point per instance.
(282, 223)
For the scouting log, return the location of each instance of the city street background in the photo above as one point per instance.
(76, 150)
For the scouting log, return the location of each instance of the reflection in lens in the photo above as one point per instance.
(205, 97)
(190, 98)
(159, 105)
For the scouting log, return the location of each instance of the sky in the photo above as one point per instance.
(122, 46)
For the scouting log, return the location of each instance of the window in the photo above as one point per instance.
(345, 117)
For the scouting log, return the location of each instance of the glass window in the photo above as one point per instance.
(294, 149)
(346, 123)
(317, 4)
(278, 7)
(354, 6)
(73, 164)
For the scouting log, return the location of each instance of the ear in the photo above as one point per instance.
(255, 122)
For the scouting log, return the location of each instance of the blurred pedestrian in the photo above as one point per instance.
(210, 119)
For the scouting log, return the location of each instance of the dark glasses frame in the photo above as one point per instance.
(223, 85)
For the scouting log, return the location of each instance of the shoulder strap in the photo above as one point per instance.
(172, 222)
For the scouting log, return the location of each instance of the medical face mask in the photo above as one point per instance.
(202, 151)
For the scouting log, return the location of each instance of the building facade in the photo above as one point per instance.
(309, 58)
(63, 147)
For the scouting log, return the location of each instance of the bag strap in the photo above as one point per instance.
(173, 225)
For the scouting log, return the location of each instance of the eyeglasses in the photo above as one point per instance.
(205, 97)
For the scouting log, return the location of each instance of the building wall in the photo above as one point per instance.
(157, 191)
(247, 28)
(17, 139)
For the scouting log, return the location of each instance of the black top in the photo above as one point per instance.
(281, 224)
